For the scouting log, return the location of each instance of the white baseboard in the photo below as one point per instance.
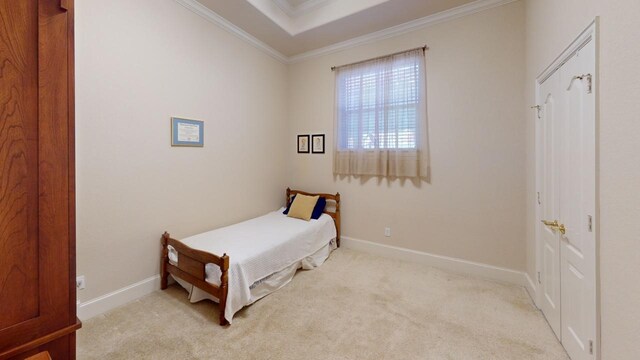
(442, 262)
(104, 303)
(531, 287)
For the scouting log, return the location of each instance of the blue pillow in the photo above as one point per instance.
(286, 211)
(317, 210)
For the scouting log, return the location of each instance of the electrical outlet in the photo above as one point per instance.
(80, 282)
(387, 232)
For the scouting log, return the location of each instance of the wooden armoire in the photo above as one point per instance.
(37, 188)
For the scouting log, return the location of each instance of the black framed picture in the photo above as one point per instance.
(303, 144)
(317, 144)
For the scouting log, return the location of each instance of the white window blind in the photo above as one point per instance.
(381, 117)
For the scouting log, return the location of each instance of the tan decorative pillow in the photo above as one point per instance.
(302, 207)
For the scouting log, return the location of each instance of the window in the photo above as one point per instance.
(381, 110)
(378, 108)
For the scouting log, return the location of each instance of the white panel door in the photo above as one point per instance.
(550, 112)
(577, 206)
(566, 177)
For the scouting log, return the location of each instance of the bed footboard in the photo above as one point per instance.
(191, 267)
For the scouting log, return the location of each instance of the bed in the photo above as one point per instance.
(259, 256)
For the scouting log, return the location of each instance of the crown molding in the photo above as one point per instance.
(213, 17)
(447, 15)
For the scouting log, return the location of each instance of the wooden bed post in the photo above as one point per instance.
(337, 219)
(164, 259)
(224, 287)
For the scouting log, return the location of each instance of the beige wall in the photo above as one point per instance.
(552, 25)
(474, 207)
(139, 63)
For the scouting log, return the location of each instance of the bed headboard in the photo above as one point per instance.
(331, 200)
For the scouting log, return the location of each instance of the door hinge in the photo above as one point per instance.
(539, 202)
(590, 223)
(590, 347)
(539, 281)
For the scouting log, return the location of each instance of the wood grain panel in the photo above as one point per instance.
(71, 120)
(19, 162)
(40, 356)
(53, 146)
(43, 344)
(36, 154)
(191, 266)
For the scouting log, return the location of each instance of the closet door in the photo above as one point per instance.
(577, 207)
(567, 185)
(551, 114)
(37, 245)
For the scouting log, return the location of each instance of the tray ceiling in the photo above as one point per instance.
(298, 7)
(294, 27)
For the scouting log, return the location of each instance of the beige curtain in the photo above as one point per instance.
(381, 118)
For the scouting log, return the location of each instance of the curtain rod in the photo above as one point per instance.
(424, 48)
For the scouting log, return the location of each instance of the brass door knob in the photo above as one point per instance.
(562, 229)
(555, 225)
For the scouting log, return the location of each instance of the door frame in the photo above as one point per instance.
(591, 33)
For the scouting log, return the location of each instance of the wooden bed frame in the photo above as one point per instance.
(192, 262)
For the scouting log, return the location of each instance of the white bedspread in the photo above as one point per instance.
(258, 248)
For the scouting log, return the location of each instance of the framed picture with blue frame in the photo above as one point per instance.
(186, 132)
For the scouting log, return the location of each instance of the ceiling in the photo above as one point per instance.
(294, 27)
(298, 2)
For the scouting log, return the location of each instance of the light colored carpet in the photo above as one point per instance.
(355, 306)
